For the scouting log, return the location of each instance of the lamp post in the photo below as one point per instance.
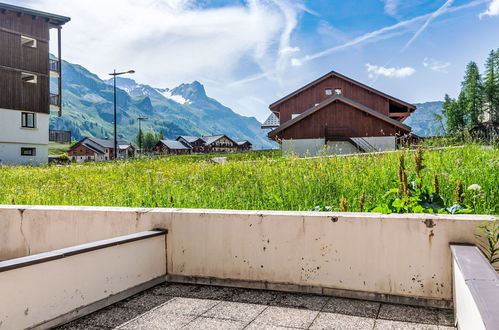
(114, 74)
(140, 133)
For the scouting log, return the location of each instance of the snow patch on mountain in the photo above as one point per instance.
(177, 98)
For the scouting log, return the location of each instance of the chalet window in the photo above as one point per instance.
(28, 120)
(28, 77)
(328, 91)
(28, 151)
(337, 91)
(28, 42)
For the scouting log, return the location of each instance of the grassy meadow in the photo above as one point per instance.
(260, 181)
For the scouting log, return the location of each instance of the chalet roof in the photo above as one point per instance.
(95, 148)
(176, 145)
(190, 138)
(52, 18)
(343, 99)
(108, 143)
(242, 142)
(339, 75)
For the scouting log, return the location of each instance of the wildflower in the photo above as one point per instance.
(474, 187)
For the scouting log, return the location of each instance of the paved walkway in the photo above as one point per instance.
(178, 306)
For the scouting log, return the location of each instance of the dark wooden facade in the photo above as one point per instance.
(339, 120)
(314, 93)
(18, 58)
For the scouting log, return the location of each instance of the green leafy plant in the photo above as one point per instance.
(490, 248)
(412, 196)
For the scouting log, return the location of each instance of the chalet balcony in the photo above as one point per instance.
(54, 66)
(212, 269)
(54, 99)
(59, 136)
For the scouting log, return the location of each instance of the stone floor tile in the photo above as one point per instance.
(287, 317)
(296, 300)
(262, 326)
(185, 306)
(176, 290)
(254, 296)
(235, 311)
(157, 321)
(77, 325)
(110, 317)
(408, 314)
(342, 321)
(211, 292)
(398, 325)
(353, 307)
(144, 302)
(206, 323)
(445, 317)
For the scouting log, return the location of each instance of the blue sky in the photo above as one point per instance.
(250, 53)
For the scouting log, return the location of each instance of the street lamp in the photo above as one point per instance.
(140, 133)
(114, 74)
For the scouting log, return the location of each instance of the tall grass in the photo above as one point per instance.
(279, 184)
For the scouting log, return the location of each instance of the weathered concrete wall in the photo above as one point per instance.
(405, 255)
(51, 292)
(303, 147)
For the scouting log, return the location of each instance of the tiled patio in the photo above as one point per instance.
(177, 306)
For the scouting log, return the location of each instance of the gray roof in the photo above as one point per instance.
(190, 138)
(109, 143)
(53, 18)
(242, 142)
(172, 144)
(341, 98)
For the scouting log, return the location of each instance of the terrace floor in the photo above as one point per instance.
(176, 306)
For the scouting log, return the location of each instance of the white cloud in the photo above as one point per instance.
(296, 62)
(172, 41)
(435, 65)
(375, 70)
(493, 9)
(391, 7)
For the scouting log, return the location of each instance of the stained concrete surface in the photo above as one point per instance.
(179, 306)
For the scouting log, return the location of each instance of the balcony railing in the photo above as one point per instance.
(54, 99)
(60, 136)
(54, 65)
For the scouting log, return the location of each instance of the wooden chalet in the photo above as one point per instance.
(340, 113)
(93, 149)
(25, 72)
(196, 142)
(172, 147)
(219, 143)
(244, 145)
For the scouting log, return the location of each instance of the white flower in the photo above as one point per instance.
(474, 187)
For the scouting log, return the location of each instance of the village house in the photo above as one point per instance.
(25, 73)
(244, 145)
(220, 143)
(196, 142)
(336, 114)
(93, 149)
(172, 147)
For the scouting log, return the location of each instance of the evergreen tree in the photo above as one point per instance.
(491, 84)
(150, 140)
(140, 139)
(454, 114)
(161, 136)
(472, 90)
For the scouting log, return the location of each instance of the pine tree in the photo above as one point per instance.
(472, 89)
(161, 136)
(491, 84)
(454, 114)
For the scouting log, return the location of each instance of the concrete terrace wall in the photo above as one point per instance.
(365, 255)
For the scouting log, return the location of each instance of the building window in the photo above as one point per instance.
(28, 120)
(28, 42)
(28, 77)
(28, 151)
(328, 91)
(337, 91)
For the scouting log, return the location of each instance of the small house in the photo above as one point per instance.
(93, 149)
(172, 147)
(244, 145)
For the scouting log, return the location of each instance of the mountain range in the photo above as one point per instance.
(183, 110)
